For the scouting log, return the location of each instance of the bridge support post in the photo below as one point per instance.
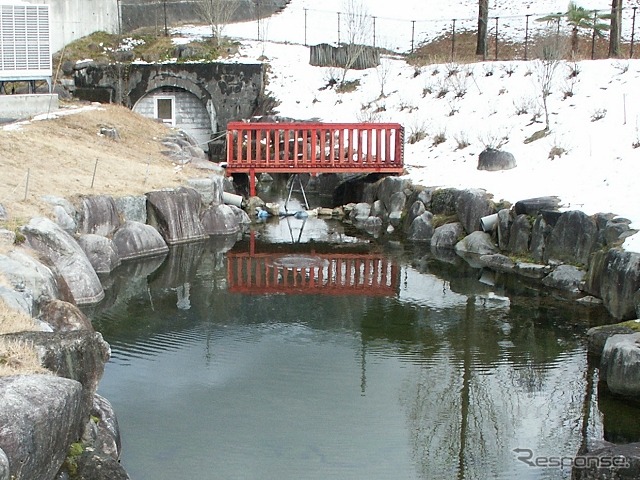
(252, 182)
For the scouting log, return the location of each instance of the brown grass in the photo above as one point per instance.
(463, 49)
(59, 156)
(19, 357)
(14, 321)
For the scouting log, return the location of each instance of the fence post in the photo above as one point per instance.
(453, 39)
(338, 28)
(374, 32)
(593, 36)
(305, 27)
(526, 37)
(633, 31)
(496, 58)
(413, 34)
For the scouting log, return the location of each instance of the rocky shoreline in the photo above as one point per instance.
(54, 265)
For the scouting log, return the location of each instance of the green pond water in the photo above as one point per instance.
(310, 353)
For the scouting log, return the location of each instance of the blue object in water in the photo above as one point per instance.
(301, 214)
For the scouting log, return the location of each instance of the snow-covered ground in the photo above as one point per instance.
(486, 104)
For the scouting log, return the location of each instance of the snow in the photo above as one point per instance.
(598, 172)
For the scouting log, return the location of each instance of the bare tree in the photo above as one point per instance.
(616, 22)
(545, 72)
(217, 13)
(358, 28)
(483, 20)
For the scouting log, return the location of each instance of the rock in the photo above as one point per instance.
(176, 215)
(533, 206)
(495, 160)
(532, 270)
(417, 208)
(51, 403)
(619, 462)
(94, 465)
(539, 235)
(78, 355)
(253, 204)
(444, 200)
(7, 237)
(471, 206)
(69, 259)
(64, 317)
(505, 219)
(397, 202)
(66, 221)
(598, 336)
(210, 189)
(572, 239)
(108, 131)
(361, 211)
(616, 230)
(520, 235)
(5, 473)
(388, 187)
(61, 202)
(98, 214)
(498, 262)
(377, 209)
(620, 365)
(478, 243)
(614, 276)
(132, 208)
(589, 300)
(36, 282)
(447, 235)
(103, 434)
(372, 225)
(137, 240)
(551, 216)
(220, 220)
(101, 252)
(16, 301)
(421, 229)
(565, 277)
(241, 216)
(3, 213)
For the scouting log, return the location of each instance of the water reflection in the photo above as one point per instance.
(385, 364)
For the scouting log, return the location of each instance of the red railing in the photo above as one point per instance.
(327, 274)
(314, 148)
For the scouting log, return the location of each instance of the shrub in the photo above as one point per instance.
(462, 141)
(598, 114)
(439, 138)
(417, 133)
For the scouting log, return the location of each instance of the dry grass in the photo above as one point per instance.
(463, 49)
(14, 321)
(59, 156)
(19, 357)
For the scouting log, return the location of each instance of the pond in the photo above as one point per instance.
(307, 351)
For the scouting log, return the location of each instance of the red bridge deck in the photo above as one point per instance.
(314, 148)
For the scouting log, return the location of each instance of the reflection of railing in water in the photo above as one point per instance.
(327, 274)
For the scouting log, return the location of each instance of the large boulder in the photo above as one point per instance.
(176, 215)
(505, 220)
(40, 416)
(361, 211)
(495, 160)
(78, 355)
(539, 235)
(64, 317)
(421, 229)
(388, 187)
(520, 235)
(533, 206)
(478, 243)
(446, 236)
(35, 281)
(220, 219)
(137, 240)
(565, 277)
(444, 201)
(103, 433)
(572, 239)
(210, 189)
(416, 209)
(95, 465)
(597, 336)
(100, 251)
(98, 214)
(62, 250)
(620, 365)
(471, 206)
(609, 462)
(614, 276)
(132, 208)
(66, 221)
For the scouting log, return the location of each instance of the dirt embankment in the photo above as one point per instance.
(58, 156)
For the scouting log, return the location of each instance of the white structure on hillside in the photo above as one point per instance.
(25, 52)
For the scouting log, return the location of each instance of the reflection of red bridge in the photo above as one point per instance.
(314, 148)
(328, 274)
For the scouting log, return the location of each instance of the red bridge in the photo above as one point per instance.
(314, 148)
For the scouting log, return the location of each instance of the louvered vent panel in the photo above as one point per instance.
(24, 41)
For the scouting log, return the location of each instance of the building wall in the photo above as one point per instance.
(189, 113)
(73, 19)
